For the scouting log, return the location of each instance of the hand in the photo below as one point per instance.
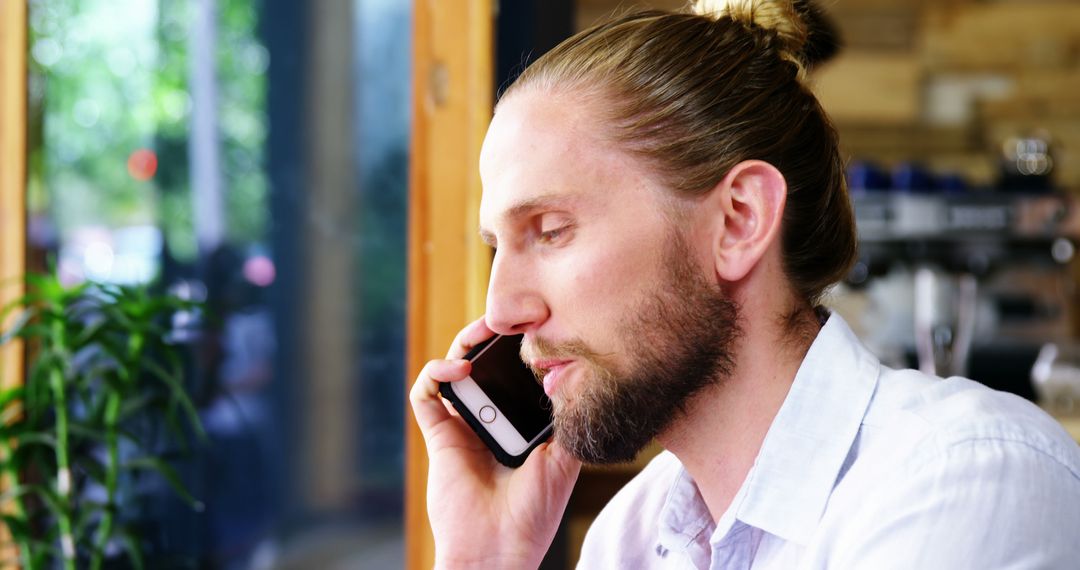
(482, 513)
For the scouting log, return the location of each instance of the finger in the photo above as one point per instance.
(473, 334)
(426, 401)
(561, 471)
(450, 408)
(551, 471)
(569, 464)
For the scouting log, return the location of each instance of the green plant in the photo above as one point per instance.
(103, 383)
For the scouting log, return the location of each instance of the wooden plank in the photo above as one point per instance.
(453, 90)
(879, 88)
(1063, 106)
(1042, 83)
(1001, 35)
(912, 141)
(877, 25)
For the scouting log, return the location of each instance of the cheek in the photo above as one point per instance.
(599, 287)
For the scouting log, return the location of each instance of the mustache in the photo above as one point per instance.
(538, 348)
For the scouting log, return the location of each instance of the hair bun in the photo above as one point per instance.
(807, 35)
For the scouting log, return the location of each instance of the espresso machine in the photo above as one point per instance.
(968, 281)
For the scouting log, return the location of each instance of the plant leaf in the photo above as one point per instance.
(179, 395)
(133, 547)
(17, 525)
(14, 493)
(29, 438)
(17, 327)
(10, 394)
(170, 475)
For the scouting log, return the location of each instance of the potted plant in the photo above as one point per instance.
(103, 383)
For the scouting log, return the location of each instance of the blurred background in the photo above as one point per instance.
(252, 155)
(258, 154)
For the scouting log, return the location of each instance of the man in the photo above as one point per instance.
(667, 205)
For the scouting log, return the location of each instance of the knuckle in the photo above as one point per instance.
(417, 393)
(419, 389)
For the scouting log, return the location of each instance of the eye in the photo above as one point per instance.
(551, 235)
(555, 235)
(553, 229)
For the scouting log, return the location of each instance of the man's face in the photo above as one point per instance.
(622, 323)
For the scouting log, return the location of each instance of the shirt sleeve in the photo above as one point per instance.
(980, 504)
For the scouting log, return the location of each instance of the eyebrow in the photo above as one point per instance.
(524, 208)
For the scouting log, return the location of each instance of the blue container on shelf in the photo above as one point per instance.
(913, 178)
(952, 183)
(867, 177)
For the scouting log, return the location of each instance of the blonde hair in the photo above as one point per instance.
(778, 16)
(693, 95)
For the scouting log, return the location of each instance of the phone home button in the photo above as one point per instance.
(487, 414)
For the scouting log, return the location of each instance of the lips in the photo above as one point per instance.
(553, 370)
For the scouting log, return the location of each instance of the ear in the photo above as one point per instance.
(747, 208)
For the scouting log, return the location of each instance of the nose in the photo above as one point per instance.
(515, 304)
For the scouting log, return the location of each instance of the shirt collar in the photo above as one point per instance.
(787, 490)
(684, 518)
(801, 458)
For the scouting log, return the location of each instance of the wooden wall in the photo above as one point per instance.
(946, 82)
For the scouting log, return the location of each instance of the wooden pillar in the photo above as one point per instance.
(13, 100)
(448, 264)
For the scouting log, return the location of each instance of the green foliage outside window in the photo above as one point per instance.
(109, 77)
(103, 384)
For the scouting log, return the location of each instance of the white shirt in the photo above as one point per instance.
(865, 467)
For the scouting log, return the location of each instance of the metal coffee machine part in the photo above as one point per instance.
(981, 276)
(1056, 377)
(944, 328)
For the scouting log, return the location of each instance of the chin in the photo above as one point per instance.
(602, 436)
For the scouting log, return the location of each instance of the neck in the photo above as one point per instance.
(719, 437)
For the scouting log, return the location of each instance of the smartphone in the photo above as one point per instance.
(501, 400)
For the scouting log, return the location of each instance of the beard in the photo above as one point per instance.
(676, 342)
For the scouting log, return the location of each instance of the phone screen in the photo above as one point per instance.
(512, 387)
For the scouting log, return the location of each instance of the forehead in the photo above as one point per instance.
(547, 148)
